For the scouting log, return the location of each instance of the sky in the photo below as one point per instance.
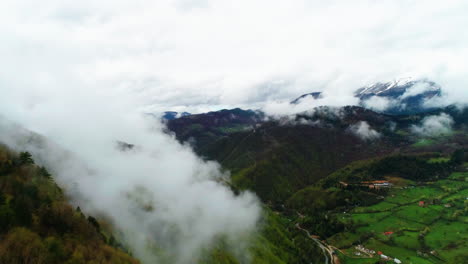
(200, 55)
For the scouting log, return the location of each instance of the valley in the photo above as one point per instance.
(368, 210)
(329, 193)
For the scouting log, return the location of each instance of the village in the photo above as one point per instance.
(414, 222)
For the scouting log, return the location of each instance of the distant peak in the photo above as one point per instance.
(315, 95)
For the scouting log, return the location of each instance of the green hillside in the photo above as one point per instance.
(38, 225)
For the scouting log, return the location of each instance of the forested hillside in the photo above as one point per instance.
(311, 170)
(38, 225)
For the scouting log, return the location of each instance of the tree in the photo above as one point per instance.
(2, 198)
(44, 172)
(94, 222)
(458, 157)
(22, 246)
(23, 210)
(25, 158)
(7, 218)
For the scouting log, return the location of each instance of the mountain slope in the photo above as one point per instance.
(39, 226)
(278, 157)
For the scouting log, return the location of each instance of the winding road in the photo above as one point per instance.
(327, 250)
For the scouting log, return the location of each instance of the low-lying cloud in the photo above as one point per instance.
(363, 130)
(379, 103)
(435, 125)
(169, 204)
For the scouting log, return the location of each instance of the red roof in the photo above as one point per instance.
(379, 252)
(388, 233)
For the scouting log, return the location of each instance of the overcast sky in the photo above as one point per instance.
(197, 55)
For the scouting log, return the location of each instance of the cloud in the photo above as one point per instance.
(159, 195)
(418, 88)
(435, 125)
(182, 54)
(308, 104)
(379, 103)
(363, 130)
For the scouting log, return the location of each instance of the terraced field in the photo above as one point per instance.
(426, 223)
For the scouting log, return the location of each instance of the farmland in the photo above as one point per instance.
(417, 223)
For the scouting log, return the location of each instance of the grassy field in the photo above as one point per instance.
(434, 233)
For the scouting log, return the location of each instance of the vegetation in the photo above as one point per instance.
(311, 179)
(313, 175)
(433, 232)
(37, 225)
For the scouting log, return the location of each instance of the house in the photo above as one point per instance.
(396, 260)
(421, 203)
(344, 184)
(376, 184)
(388, 233)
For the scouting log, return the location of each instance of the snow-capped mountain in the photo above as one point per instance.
(405, 87)
(401, 96)
(378, 88)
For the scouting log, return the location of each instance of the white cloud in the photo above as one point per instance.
(180, 54)
(191, 207)
(416, 89)
(363, 130)
(434, 125)
(378, 103)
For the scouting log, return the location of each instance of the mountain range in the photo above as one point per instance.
(402, 96)
(348, 184)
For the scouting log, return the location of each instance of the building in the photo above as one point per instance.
(376, 184)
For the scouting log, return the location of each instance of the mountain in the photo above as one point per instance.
(275, 158)
(313, 173)
(169, 115)
(38, 225)
(402, 96)
(213, 125)
(315, 95)
(315, 170)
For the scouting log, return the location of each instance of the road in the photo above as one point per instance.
(327, 250)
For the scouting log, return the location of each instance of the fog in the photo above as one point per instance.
(435, 125)
(363, 130)
(159, 194)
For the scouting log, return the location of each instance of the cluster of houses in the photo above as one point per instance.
(362, 249)
(371, 254)
(379, 184)
(431, 202)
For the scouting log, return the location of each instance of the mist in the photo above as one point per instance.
(159, 194)
(364, 131)
(434, 125)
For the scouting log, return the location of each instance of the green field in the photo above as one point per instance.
(434, 233)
